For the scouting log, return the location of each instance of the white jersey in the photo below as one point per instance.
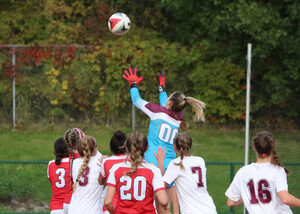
(190, 184)
(87, 196)
(258, 184)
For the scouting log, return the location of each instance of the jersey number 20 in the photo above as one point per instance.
(139, 188)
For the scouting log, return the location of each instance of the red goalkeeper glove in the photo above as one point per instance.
(132, 78)
(162, 80)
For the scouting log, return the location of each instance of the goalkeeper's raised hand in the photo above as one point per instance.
(132, 78)
(162, 80)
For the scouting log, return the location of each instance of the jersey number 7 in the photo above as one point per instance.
(197, 169)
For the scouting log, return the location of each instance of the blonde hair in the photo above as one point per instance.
(264, 144)
(179, 102)
(136, 144)
(183, 143)
(85, 149)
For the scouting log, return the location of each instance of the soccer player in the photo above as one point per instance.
(118, 150)
(58, 173)
(165, 120)
(71, 138)
(87, 192)
(262, 186)
(189, 174)
(135, 181)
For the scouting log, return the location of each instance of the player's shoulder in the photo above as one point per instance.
(119, 165)
(150, 166)
(77, 161)
(51, 162)
(196, 158)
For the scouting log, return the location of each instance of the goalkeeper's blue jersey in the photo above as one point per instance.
(163, 127)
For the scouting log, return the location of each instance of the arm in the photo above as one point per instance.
(101, 179)
(288, 198)
(231, 203)
(163, 200)
(108, 201)
(160, 156)
(175, 202)
(162, 88)
(133, 81)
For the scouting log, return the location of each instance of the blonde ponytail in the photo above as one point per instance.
(179, 102)
(85, 149)
(136, 144)
(198, 107)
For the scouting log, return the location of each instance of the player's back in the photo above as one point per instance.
(86, 197)
(136, 191)
(59, 176)
(259, 184)
(190, 184)
(163, 127)
(106, 166)
(109, 162)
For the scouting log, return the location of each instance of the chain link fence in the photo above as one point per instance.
(57, 84)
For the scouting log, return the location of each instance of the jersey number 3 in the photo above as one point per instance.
(61, 177)
(139, 188)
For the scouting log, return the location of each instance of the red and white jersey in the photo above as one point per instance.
(59, 177)
(258, 184)
(87, 195)
(135, 192)
(107, 164)
(190, 184)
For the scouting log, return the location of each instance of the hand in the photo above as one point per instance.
(101, 160)
(131, 77)
(162, 80)
(161, 153)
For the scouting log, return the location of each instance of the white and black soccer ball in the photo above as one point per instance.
(119, 23)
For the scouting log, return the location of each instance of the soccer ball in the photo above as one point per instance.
(119, 23)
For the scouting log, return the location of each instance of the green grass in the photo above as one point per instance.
(30, 181)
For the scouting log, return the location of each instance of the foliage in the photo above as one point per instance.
(205, 39)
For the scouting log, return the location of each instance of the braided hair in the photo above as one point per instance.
(72, 138)
(60, 150)
(264, 144)
(85, 149)
(136, 144)
(183, 143)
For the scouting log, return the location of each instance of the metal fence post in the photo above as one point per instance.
(14, 89)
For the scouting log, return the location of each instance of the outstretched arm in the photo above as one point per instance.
(162, 88)
(289, 199)
(133, 80)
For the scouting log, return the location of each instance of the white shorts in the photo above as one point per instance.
(57, 212)
(66, 208)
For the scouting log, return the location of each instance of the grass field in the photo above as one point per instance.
(29, 182)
